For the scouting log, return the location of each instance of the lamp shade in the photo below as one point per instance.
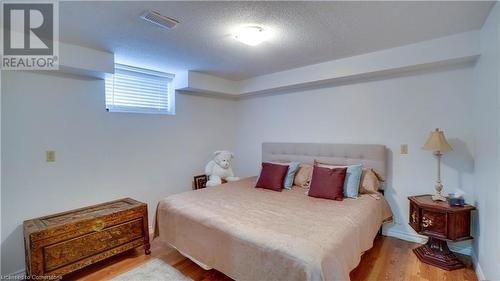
(437, 142)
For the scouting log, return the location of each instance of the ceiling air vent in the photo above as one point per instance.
(158, 19)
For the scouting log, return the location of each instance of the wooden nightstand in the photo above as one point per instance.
(200, 181)
(441, 223)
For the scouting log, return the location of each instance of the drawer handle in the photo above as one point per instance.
(426, 222)
(414, 216)
(98, 225)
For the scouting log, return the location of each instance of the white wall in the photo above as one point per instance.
(487, 147)
(100, 156)
(401, 110)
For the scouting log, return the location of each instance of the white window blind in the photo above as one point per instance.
(138, 90)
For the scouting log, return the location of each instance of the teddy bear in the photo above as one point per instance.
(220, 168)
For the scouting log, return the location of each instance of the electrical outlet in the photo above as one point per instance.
(50, 156)
(404, 149)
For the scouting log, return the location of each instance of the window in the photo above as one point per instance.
(138, 90)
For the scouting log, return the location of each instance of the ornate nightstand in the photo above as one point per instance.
(441, 223)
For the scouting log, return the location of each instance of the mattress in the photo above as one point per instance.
(258, 234)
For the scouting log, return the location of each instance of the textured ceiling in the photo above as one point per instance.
(304, 32)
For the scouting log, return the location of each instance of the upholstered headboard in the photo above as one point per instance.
(370, 155)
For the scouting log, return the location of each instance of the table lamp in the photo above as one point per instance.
(438, 144)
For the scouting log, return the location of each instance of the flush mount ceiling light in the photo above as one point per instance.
(251, 35)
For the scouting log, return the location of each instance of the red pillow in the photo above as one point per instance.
(272, 176)
(328, 183)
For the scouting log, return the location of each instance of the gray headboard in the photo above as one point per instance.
(370, 155)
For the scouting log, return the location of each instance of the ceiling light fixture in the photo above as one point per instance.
(251, 35)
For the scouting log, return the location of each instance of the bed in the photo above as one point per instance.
(259, 234)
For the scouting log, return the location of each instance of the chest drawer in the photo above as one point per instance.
(433, 223)
(72, 250)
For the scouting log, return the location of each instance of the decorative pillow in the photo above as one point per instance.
(272, 176)
(303, 176)
(328, 183)
(293, 167)
(352, 180)
(370, 183)
(379, 176)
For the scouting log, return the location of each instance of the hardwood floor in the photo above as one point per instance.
(389, 259)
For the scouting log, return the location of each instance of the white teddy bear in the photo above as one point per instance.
(220, 168)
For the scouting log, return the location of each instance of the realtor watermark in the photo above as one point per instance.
(30, 277)
(30, 35)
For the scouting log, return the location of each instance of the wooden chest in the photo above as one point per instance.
(58, 244)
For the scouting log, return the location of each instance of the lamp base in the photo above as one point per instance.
(438, 197)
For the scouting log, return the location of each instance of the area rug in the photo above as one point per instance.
(154, 270)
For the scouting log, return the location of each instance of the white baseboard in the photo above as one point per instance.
(464, 250)
(413, 237)
(477, 268)
(20, 273)
(407, 236)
